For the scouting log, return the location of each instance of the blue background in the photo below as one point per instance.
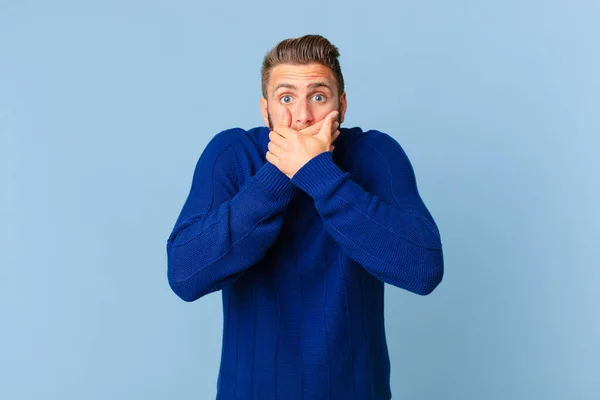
(106, 106)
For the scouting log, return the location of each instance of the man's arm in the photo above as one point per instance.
(221, 231)
(388, 230)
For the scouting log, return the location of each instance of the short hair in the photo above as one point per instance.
(301, 51)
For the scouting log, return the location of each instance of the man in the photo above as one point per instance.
(300, 224)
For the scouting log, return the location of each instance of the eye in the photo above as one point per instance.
(286, 99)
(319, 97)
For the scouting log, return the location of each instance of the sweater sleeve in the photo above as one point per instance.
(388, 230)
(223, 230)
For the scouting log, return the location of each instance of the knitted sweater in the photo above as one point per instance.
(302, 262)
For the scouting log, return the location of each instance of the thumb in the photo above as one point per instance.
(325, 132)
(286, 118)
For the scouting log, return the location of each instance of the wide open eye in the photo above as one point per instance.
(286, 99)
(319, 98)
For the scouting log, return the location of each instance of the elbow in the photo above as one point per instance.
(431, 282)
(179, 281)
(191, 290)
(190, 287)
(433, 276)
(182, 291)
(190, 284)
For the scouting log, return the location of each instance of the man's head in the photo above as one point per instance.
(303, 75)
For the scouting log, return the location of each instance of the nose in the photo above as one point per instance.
(304, 115)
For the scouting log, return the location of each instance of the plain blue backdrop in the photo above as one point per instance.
(106, 106)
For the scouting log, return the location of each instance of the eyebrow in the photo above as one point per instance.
(313, 85)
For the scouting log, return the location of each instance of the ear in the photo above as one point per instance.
(343, 105)
(264, 110)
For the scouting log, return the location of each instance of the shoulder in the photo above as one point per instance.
(242, 137)
(238, 139)
(381, 152)
(386, 146)
(375, 140)
(381, 141)
(227, 137)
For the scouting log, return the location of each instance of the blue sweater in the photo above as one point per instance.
(302, 262)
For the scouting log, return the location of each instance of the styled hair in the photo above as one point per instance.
(301, 51)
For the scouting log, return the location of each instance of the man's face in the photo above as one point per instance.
(309, 92)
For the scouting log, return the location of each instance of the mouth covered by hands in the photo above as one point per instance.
(290, 149)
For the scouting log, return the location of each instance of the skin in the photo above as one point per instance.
(303, 111)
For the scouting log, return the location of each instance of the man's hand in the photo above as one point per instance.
(289, 149)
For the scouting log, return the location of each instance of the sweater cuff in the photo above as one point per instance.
(319, 175)
(275, 182)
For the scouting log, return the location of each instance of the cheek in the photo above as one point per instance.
(273, 113)
(276, 110)
(323, 111)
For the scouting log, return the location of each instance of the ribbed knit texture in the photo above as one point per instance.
(302, 262)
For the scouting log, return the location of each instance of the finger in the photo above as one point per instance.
(276, 138)
(271, 158)
(283, 128)
(335, 116)
(333, 123)
(286, 118)
(326, 130)
(273, 148)
(313, 129)
(335, 136)
(286, 132)
(316, 128)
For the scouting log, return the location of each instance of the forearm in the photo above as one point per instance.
(209, 250)
(398, 246)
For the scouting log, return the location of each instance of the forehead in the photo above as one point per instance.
(300, 75)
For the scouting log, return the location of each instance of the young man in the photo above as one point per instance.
(300, 224)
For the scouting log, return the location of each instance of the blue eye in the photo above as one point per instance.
(319, 97)
(286, 99)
